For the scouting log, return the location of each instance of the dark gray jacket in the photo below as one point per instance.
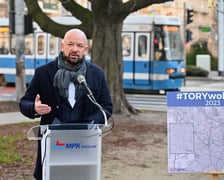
(42, 84)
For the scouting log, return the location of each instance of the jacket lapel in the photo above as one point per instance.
(51, 71)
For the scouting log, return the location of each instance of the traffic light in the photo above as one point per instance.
(12, 16)
(188, 36)
(190, 14)
(28, 24)
(28, 21)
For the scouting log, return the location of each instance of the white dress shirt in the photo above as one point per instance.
(71, 93)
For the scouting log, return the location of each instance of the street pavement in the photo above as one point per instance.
(9, 94)
(14, 117)
(212, 83)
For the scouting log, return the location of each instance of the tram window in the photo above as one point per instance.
(175, 41)
(159, 46)
(4, 45)
(126, 45)
(3, 48)
(142, 46)
(59, 43)
(29, 45)
(90, 44)
(13, 44)
(53, 43)
(41, 45)
(27, 50)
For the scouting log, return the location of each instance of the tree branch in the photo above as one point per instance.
(77, 10)
(47, 23)
(134, 5)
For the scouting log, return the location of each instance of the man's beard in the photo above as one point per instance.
(67, 59)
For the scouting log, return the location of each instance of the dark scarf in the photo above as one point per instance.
(67, 74)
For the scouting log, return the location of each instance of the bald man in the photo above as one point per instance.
(56, 96)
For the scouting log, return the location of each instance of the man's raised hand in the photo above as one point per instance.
(40, 108)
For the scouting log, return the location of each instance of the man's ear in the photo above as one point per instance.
(86, 51)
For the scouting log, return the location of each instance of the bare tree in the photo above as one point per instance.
(103, 24)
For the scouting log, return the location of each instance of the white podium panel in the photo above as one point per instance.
(73, 172)
(70, 154)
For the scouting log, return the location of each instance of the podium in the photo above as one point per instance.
(69, 151)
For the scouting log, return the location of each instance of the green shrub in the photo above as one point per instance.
(196, 71)
(201, 48)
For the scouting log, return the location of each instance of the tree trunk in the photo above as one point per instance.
(106, 53)
(20, 59)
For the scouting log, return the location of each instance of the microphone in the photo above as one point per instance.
(81, 79)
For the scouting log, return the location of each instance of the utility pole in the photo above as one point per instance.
(220, 37)
(20, 46)
(184, 29)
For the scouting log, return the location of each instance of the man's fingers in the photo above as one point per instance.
(37, 99)
(41, 108)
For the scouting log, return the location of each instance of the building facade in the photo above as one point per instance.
(204, 15)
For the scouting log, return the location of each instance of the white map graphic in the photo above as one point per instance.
(195, 138)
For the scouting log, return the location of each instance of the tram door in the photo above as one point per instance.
(136, 59)
(53, 47)
(128, 59)
(40, 53)
(46, 48)
(141, 59)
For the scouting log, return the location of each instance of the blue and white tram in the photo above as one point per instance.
(153, 53)
(40, 48)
